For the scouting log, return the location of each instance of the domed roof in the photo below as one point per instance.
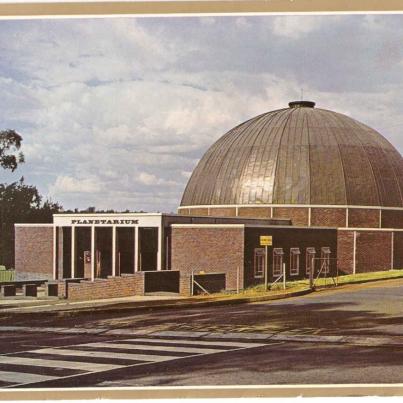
(299, 155)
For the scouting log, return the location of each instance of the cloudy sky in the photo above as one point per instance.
(116, 112)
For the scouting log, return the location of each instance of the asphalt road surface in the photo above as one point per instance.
(56, 360)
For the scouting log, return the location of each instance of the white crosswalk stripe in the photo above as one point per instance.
(23, 377)
(223, 343)
(194, 350)
(85, 366)
(104, 354)
(48, 364)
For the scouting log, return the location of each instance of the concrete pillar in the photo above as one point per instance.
(55, 252)
(159, 252)
(136, 249)
(114, 251)
(354, 250)
(92, 253)
(73, 251)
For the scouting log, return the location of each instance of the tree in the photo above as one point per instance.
(10, 144)
(20, 203)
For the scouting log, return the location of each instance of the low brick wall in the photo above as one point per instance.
(112, 287)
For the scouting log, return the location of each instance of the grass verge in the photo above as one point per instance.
(299, 285)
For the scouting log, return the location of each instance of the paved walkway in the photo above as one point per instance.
(21, 304)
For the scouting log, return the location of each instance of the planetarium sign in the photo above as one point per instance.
(103, 222)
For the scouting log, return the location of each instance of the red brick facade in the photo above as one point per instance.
(328, 217)
(298, 215)
(222, 211)
(320, 216)
(363, 218)
(203, 211)
(345, 252)
(392, 218)
(210, 249)
(34, 252)
(374, 249)
(254, 212)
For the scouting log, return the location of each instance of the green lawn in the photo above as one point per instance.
(345, 279)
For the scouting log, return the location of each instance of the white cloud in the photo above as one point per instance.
(293, 26)
(67, 184)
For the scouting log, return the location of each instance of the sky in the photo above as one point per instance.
(116, 112)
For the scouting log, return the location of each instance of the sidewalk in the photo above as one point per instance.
(111, 305)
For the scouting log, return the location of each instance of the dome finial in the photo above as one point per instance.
(301, 104)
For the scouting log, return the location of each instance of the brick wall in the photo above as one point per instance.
(203, 211)
(112, 287)
(328, 217)
(222, 211)
(345, 251)
(34, 252)
(392, 219)
(373, 252)
(298, 215)
(363, 218)
(210, 249)
(254, 212)
(398, 250)
(139, 283)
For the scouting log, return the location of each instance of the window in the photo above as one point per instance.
(310, 254)
(325, 259)
(259, 262)
(294, 261)
(277, 261)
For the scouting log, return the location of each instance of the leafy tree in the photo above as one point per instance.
(20, 203)
(10, 143)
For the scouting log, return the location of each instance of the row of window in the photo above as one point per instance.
(295, 253)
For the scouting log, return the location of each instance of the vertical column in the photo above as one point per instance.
(392, 252)
(309, 216)
(92, 253)
(159, 252)
(54, 252)
(114, 251)
(136, 248)
(354, 249)
(347, 217)
(73, 250)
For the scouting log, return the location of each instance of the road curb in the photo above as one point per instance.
(148, 306)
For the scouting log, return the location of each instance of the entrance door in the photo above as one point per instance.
(148, 252)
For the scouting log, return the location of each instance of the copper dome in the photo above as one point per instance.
(299, 155)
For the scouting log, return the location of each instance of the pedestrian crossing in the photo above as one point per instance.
(45, 365)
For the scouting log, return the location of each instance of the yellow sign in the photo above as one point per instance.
(266, 240)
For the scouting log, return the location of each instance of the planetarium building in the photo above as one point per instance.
(320, 184)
